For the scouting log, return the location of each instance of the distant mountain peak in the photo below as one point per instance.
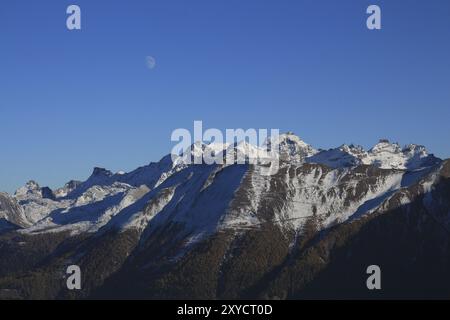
(31, 187)
(101, 172)
(291, 147)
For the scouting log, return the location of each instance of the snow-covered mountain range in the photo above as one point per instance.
(90, 205)
(180, 206)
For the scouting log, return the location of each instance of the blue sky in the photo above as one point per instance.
(72, 100)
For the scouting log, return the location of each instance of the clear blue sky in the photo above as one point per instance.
(70, 101)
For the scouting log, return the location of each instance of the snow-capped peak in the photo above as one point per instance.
(291, 147)
(68, 188)
(384, 154)
(356, 151)
(415, 150)
(245, 152)
(384, 146)
(30, 188)
(291, 138)
(344, 156)
(388, 155)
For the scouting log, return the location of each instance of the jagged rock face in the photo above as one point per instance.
(11, 215)
(236, 232)
(67, 189)
(291, 147)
